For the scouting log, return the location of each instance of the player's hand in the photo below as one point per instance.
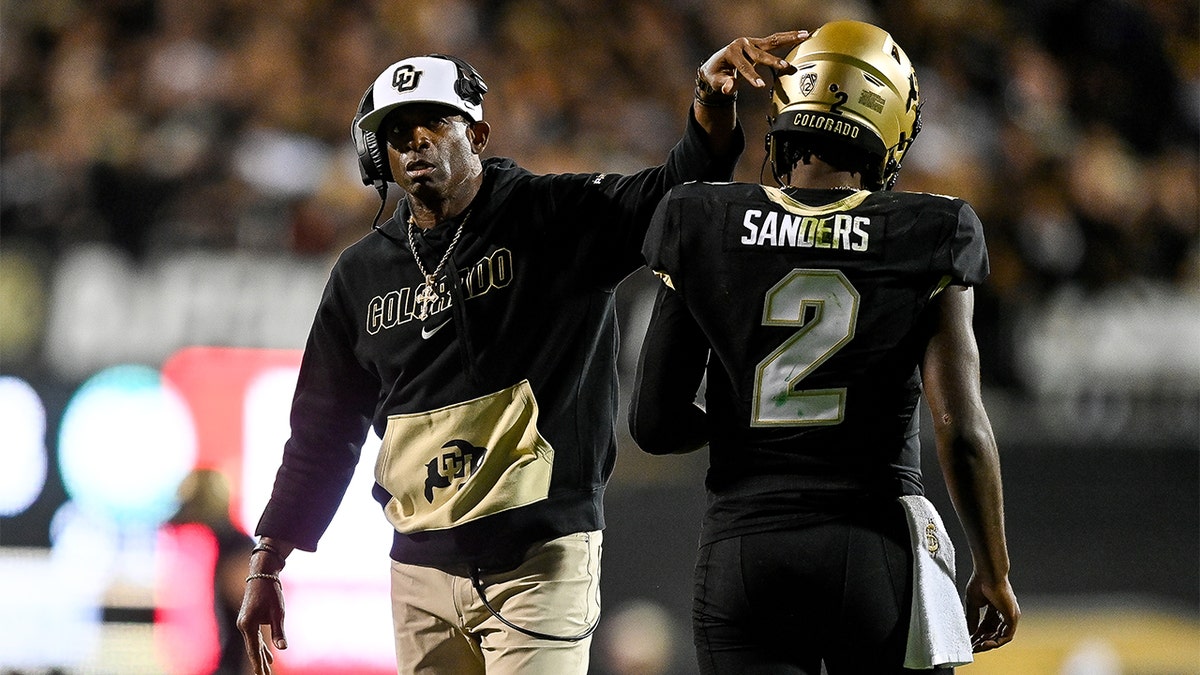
(741, 57)
(262, 605)
(992, 613)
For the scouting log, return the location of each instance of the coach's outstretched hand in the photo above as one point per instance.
(741, 57)
(717, 83)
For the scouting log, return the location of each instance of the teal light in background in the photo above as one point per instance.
(127, 440)
(23, 461)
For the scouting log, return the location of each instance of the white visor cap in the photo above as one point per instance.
(420, 79)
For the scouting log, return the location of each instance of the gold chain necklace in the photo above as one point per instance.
(426, 295)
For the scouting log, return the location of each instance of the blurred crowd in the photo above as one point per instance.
(160, 125)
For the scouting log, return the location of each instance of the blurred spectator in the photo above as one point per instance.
(204, 499)
(642, 638)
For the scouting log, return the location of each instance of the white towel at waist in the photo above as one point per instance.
(937, 628)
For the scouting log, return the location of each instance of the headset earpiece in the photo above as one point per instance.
(469, 86)
(372, 162)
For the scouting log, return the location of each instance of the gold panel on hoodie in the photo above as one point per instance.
(453, 465)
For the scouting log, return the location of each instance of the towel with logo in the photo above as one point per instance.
(937, 629)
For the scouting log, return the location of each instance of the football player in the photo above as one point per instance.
(819, 311)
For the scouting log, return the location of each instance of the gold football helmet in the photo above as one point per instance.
(853, 98)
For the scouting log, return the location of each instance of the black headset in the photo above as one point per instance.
(469, 86)
(372, 159)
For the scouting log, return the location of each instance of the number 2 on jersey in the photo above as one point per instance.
(824, 306)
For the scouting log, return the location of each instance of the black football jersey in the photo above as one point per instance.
(811, 303)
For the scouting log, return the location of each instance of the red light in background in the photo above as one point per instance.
(185, 628)
(213, 381)
(218, 385)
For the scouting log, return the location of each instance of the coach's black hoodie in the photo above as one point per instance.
(497, 410)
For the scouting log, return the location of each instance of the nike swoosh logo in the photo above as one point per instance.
(427, 333)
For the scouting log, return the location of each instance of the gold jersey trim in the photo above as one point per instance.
(456, 464)
(941, 286)
(844, 204)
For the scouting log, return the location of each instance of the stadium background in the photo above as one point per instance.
(177, 174)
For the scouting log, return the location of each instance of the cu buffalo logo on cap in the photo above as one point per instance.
(405, 78)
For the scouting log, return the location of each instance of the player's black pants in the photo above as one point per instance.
(782, 602)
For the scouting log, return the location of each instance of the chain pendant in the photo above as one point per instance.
(425, 298)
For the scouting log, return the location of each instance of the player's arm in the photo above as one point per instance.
(970, 463)
(663, 417)
(718, 80)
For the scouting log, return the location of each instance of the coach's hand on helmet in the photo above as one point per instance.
(739, 59)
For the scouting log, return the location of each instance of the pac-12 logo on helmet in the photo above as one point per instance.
(807, 83)
(406, 78)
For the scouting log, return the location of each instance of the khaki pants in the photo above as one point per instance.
(442, 627)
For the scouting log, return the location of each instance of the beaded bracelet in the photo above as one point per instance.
(264, 575)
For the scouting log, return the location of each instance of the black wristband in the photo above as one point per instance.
(709, 97)
(267, 548)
